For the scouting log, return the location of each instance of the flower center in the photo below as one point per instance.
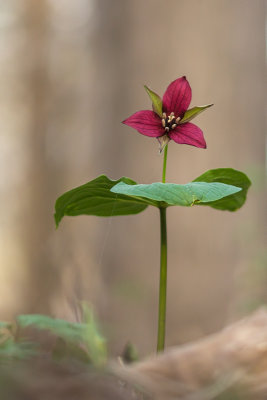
(169, 122)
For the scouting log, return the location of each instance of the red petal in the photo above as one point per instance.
(188, 134)
(177, 97)
(146, 122)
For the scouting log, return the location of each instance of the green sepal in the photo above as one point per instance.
(156, 101)
(193, 112)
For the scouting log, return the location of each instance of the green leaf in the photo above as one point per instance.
(95, 198)
(4, 324)
(193, 112)
(180, 195)
(228, 176)
(64, 329)
(17, 350)
(95, 342)
(74, 334)
(223, 188)
(63, 350)
(156, 101)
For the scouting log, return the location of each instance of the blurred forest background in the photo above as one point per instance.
(70, 72)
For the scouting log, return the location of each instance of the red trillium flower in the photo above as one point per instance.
(170, 117)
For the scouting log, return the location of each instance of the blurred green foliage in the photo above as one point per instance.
(80, 341)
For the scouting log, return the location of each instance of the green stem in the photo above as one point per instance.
(163, 281)
(164, 164)
(163, 267)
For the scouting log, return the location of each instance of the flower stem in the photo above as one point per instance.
(163, 280)
(164, 164)
(163, 267)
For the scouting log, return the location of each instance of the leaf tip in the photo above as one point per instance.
(149, 91)
(57, 219)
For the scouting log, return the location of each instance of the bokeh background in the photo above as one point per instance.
(70, 72)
